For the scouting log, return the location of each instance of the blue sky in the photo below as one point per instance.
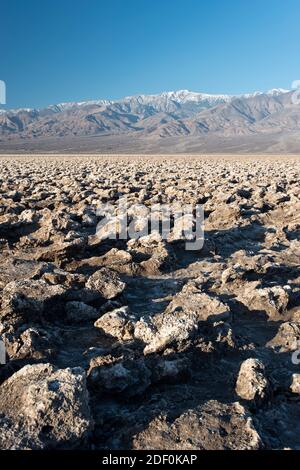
(70, 50)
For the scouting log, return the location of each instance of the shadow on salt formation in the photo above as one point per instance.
(223, 243)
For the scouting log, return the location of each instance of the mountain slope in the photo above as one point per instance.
(170, 115)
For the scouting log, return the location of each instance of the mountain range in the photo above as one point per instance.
(178, 121)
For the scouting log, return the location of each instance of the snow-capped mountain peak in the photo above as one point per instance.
(78, 104)
(158, 101)
(277, 91)
(178, 114)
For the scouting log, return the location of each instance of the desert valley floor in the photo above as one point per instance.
(141, 344)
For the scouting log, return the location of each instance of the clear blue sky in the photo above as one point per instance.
(67, 50)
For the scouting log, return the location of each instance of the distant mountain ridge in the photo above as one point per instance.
(177, 115)
(180, 96)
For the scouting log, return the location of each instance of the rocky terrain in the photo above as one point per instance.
(141, 344)
(180, 121)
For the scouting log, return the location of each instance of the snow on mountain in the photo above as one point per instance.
(17, 110)
(181, 96)
(160, 101)
(78, 104)
(173, 113)
(277, 91)
(186, 96)
(183, 116)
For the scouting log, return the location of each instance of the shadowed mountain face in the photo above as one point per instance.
(174, 121)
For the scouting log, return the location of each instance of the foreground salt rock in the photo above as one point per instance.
(181, 319)
(48, 408)
(106, 282)
(118, 260)
(295, 385)
(212, 426)
(13, 436)
(30, 342)
(272, 300)
(118, 323)
(159, 255)
(171, 370)
(287, 337)
(163, 334)
(78, 312)
(129, 377)
(252, 383)
(24, 301)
